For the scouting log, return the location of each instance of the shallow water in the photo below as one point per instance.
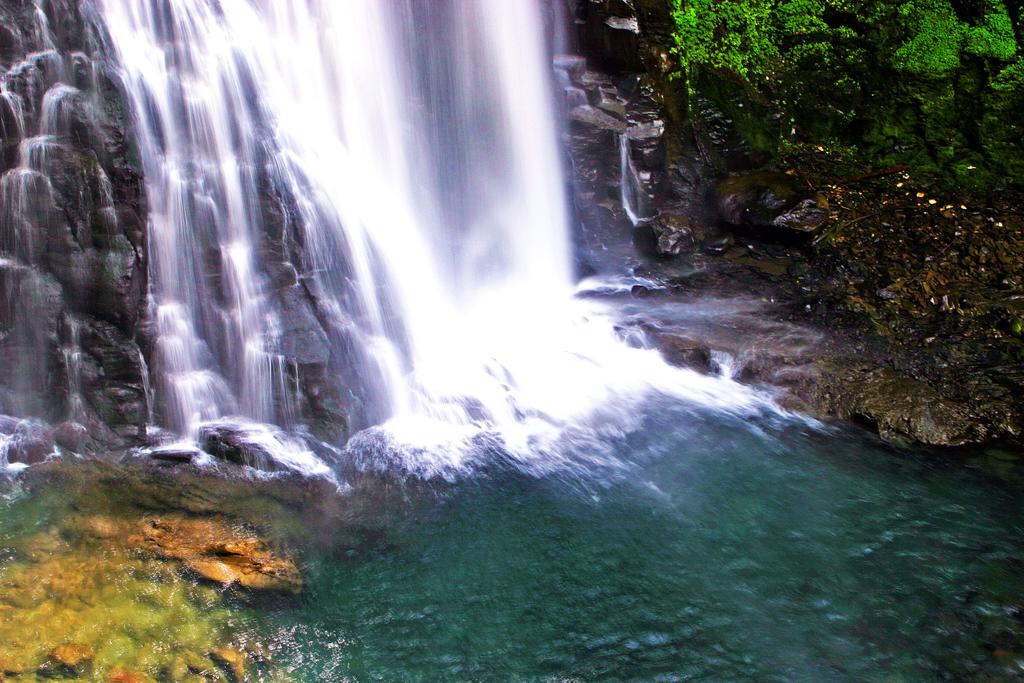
(714, 550)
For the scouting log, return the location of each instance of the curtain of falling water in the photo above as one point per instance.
(417, 143)
(197, 129)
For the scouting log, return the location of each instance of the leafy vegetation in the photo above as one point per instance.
(931, 83)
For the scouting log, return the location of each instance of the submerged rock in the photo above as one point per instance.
(218, 552)
(72, 658)
(230, 659)
(121, 674)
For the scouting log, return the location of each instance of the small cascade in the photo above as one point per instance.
(215, 328)
(59, 108)
(71, 353)
(629, 181)
(52, 195)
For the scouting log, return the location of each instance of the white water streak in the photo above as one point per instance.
(419, 144)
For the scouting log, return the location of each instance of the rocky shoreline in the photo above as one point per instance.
(911, 296)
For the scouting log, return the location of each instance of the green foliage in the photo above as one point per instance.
(993, 36)
(732, 37)
(933, 83)
(936, 39)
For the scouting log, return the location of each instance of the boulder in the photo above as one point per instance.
(901, 408)
(175, 454)
(236, 443)
(670, 235)
(683, 351)
(71, 435)
(30, 444)
(218, 552)
(807, 216)
(766, 199)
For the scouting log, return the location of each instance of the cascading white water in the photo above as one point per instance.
(418, 141)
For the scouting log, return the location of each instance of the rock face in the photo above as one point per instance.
(75, 330)
(72, 245)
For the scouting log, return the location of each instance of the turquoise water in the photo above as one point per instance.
(714, 551)
(720, 554)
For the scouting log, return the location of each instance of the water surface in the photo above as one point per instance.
(720, 552)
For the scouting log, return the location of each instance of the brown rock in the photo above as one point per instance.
(71, 435)
(219, 553)
(901, 408)
(122, 675)
(230, 659)
(74, 656)
(683, 351)
(97, 527)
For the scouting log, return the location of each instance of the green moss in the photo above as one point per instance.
(924, 82)
(993, 37)
(730, 37)
(937, 38)
(1001, 127)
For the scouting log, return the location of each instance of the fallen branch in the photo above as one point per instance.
(873, 174)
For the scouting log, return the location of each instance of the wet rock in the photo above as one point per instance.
(673, 235)
(767, 199)
(807, 216)
(719, 139)
(219, 553)
(31, 444)
(8, 424)
(303, 339)
(71, 435)
(74, 659)
(230, 660)
(175, 454)
(570, 67)
(597, 118)
(235, 443)
(901, 408)
(718, 244)
(683, 351)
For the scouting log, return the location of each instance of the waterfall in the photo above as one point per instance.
(629, 182)
(413, 148)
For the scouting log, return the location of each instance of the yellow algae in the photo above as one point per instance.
(98, 597)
